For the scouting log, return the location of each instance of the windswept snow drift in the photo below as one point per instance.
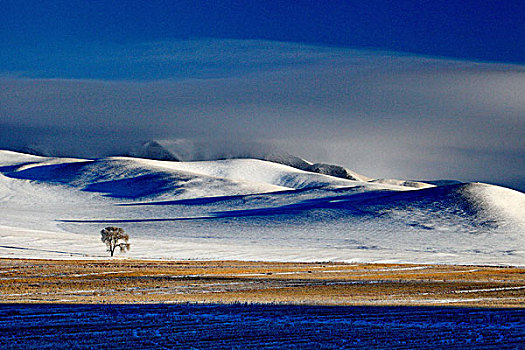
(249, 209)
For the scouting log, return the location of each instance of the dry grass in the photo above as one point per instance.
(129, 281)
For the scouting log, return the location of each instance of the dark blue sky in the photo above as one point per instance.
(482, 30)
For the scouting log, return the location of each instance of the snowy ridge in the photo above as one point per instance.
(257, 171)
(495, 199)
(13, 158)
(131, 179)
(188, 150)
(249, 209)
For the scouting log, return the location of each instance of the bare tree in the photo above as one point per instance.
(115, 237)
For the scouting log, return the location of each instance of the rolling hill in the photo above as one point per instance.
(250, 209)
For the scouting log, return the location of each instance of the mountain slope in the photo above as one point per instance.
(249, 209)
(186, 150)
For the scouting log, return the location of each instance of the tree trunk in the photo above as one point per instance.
(111, 251)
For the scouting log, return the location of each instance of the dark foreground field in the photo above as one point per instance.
(211, 326)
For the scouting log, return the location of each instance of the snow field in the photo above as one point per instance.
(249, 210)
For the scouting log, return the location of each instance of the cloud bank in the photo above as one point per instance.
(381, 114)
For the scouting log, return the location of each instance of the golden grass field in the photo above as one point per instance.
(139, 281)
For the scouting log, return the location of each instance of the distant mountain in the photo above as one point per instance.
(185, 150)
(189, 150)
(153, 150)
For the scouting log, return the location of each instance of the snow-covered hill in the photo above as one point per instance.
(249, 209)
(188, 150)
